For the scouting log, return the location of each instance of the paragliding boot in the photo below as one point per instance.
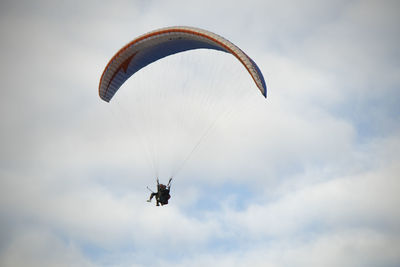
(151, 196)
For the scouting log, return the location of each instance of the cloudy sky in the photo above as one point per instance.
(307, 177)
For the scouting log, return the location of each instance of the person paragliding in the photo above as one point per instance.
(162, 195)
(156, 45)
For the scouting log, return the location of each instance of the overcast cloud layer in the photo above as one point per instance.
(307, 177)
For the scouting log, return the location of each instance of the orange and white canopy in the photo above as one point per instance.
(160, 43)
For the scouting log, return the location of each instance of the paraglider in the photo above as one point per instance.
(155, 45)
(163, 193)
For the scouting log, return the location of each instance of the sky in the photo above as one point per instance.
(306, 177)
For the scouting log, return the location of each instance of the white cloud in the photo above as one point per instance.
(73, 178)
(36, 247)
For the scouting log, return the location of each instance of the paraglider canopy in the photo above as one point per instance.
(170, 133)
(163, 42)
